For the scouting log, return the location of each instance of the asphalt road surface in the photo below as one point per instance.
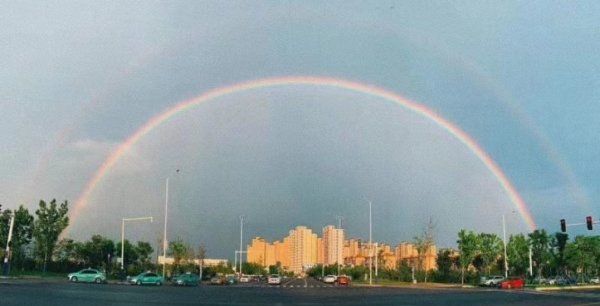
(291, 292)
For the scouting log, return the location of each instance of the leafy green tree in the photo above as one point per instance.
(582, 255)
(50, 222)
(144, 250)
(130, 252)
(97, 252)
(251, 268)
(518, 254)
(181, 253)
(558, 245)
(468, 245)
(539, 241)
(490, 248)
(22, 232)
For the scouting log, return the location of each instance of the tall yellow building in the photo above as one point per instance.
(333, 245)
(303, 249)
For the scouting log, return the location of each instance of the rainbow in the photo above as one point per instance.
(157, 120)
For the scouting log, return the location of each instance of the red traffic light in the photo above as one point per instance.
(589, 222)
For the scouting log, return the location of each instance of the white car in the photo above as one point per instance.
(245, 279)
(274, 280)
(595, 280)
(493, 281)
(329, 279)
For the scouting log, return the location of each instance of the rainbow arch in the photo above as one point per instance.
(169, 113)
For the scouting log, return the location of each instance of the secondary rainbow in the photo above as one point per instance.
(157, 120)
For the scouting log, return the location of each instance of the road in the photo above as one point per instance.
(291, 292)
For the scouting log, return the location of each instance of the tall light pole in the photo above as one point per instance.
(370, 246)
(504, 239)
(8, 243)
(241, 242)
(123, 235)
(165, 242)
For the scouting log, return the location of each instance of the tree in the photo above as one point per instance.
(468, 246)
(582, 255)
(540, 248)
(130, 253)
(423, 244)
(180, 251)
(97, 252)
(558, 244)
(51, 221)
(518, 254)
(490, 249)
(22, 232)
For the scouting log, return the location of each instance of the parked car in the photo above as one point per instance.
(343, 280)
(595, 280)
(274, 279)
(565, 281)
(492, 281)
(146, 278)
(87, 276)
(540, 281)
(185, 279)
(218, 280)
(245, 279)
(329, 279)
(512, 283)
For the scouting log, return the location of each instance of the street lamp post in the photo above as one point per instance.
(241, 243)
(165, 242)
(505, 253)
(123, 235)
(8, 243)
(370, 246)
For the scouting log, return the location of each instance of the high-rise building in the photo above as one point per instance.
(303, 249)
(333, 245)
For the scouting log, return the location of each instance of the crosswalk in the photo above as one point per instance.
(294, 286)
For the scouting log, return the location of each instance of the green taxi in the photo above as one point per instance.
(87, 276)
(185, 279)
(146, 278)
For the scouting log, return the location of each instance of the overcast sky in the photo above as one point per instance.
(522, 78)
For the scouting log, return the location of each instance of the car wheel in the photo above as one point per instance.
(139, 282)
(158, 283)
(74, 279)
(98, 280)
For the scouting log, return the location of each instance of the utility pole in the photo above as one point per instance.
(376, 261)
(8, 243)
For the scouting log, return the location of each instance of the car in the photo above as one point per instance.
(329, 279)
(595, 280)
(492, 281)
(185, 279)
(146, 278)
(565, 281)
(87, 276)
(512, 283)
(274, 279)
(343, 280)
(218, 280)
(244, 279)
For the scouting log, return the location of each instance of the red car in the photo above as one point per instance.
(343, 280)
(512, 283)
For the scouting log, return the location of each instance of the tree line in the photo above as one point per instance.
(36, 247)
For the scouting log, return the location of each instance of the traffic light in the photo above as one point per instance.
(589, 222)
(563, 225)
